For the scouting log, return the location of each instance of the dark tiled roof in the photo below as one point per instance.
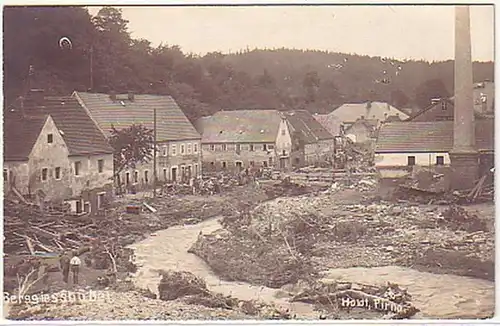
(309, 129)
(244, 126)
(434, 136)
(171, 122)
(79, 132)
(19, 135)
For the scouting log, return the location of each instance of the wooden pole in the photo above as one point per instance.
(154, 153)
(91, 67)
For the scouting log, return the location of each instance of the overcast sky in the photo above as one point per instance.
(402, 32)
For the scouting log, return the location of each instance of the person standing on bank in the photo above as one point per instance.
(75, 263)
(64, 263)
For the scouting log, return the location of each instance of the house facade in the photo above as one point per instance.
(484, 97)
(403, 145)
(362, 131)
(54, 152)
(238, 139)
(233, 140)
(312, 143)
(442, 110)
(178, 143)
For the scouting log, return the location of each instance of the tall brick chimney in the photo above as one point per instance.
(464, 157)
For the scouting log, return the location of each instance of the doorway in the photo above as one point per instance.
(174, 174)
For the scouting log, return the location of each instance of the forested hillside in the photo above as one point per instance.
(282, 78)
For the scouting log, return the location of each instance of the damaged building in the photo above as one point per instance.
(54, 152)
(248, 138)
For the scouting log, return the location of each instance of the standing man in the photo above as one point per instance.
(64, 264)
(75, 263)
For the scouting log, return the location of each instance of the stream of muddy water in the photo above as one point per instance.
(437, 296)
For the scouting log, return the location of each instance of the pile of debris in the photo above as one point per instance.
(248, 257)
(29, 229)
(428, 186)
(193, 290)
(458, 218)
(391, 300)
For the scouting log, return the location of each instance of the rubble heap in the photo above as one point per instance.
(391, 300)
(193, 290)
(283, 239)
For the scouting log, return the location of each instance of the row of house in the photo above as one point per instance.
(251, 138)
(56, 148)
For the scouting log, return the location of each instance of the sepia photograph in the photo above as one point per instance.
(248, 162)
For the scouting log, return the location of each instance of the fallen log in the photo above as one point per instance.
(43, 232)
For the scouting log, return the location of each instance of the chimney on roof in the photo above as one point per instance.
(112, 96)
(37, 96)
(131, 96)
(21, 106)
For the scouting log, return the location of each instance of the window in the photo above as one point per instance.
(58, 173)
(224, 147)
(252, 163)
(146, 176)
(264, 164)
(270, 161)
(411, 160)
(50, 138)
(165, 150)
(196, 170)
(189, 148)
(100, 165)
(165, 174)
(136, 176)
(443, 105)
(195, 148)
(78, 166)
(5, 174)
(224, 165)
(283, 132)
(44, 174)
(264, 147)
(174, 149)
(182, 149)
(100, 200)
(270, 146)
(439, 160)
(127, 178)
(251, 148)
(212, 147)
(238, 148)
